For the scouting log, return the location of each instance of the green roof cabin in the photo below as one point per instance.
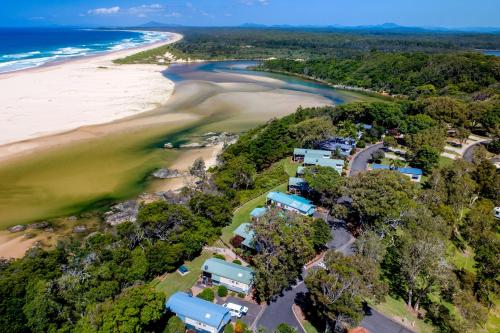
(235, 277)
(300, 153)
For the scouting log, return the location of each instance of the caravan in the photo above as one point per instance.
(236, 310)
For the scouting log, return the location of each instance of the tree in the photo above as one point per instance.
(284, 328)
(473, 313)
(198, 169)
(207, 294)
(453, 186)
(175, 325)
(479, 221)
(160, 220)
(337, 292)
(311, 131)
(377, 156)
(379, 198)
(283, 240)
(390, 141)
(487, 179)
(132, 311)
(215, 208)
(347, 129)
(421, 259)
(371, 246)
(325, 182)
(425, 158)
(417, 123)
(321, 234)
(446, 109)
(487, 268)
(434, 137)
(43, 312)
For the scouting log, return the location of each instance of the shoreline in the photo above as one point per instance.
(136, 49)
(63, 96)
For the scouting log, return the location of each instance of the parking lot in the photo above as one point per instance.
(253, 309)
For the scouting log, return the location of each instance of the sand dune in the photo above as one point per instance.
(87, 91)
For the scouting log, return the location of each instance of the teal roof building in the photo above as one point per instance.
(338, 165)
(291, 202)
(235, 277)
(258, 212)
(245, 231)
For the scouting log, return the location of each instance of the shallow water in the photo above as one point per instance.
(111, 162)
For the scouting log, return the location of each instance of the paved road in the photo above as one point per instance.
(280, 311)
(378, 323)
(469, 152)
(360, 161)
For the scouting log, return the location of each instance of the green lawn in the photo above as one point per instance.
(460, 259)
(242, 214)
(308, 326)
(445, 161)
(175, 282)
(397, 308)
(290, 167)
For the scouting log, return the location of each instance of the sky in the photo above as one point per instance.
(423, 13)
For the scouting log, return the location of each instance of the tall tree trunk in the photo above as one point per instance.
(410, 295)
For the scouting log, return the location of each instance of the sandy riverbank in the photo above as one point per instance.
(90, 90)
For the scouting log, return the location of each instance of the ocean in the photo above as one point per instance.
(22, 48)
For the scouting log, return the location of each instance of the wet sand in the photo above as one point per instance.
(60, 175)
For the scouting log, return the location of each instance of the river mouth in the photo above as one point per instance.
(93, 166)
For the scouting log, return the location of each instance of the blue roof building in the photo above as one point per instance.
(246, 232)
(296, 185)
(338, 165)
(343, 145)
(415, 174)
(198, 314)
(291, 202)
(235, 277)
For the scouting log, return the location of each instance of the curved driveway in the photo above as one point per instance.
(360, 161)
(469, 152)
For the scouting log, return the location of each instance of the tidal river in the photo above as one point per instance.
(92, 166)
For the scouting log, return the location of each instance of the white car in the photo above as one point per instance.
(497, 212)
(236, 310)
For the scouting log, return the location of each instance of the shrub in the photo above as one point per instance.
(240, 327)
(207, 294)
(174, 325)
(361, 144)
(229, 328)
(241, 295)
(222, 291)
(219, 256)
(237, 261)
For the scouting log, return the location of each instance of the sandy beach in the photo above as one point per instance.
(91, 90)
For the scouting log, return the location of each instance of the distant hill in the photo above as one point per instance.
(385, 27)
(154, 24)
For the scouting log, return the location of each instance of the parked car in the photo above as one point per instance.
(497, 212)
(236, 310)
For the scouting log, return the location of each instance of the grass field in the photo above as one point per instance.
(397, 309)
(175, 282)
